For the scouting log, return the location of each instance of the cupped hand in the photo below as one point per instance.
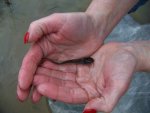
(58, 37)
(66, 36)
(100, 84)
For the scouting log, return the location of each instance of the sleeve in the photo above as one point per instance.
(139, 4)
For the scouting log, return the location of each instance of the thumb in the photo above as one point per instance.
(41, 27)
(36, 30)
(95, 105)
(106, 102)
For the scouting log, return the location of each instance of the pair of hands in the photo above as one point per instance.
(62, 37)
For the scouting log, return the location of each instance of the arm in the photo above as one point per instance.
(110, 11)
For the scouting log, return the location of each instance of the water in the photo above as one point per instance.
(14, 21)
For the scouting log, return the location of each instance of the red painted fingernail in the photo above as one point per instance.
(90, 111)
(26, 37)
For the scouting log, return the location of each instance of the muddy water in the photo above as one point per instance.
(15, 18)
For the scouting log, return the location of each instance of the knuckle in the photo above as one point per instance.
(36, 25)
(55, 14)
(32, 25)
(34, 59)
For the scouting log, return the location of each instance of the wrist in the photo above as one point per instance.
(140, 50)
(107, 13)
(100, 14)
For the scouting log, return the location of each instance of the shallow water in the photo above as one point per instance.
(14, 21)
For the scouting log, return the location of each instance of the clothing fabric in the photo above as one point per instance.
(139, 4)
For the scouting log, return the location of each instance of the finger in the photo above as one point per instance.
(65, 94)
(56, 74)
(72, 68)
(96, 104)
(43, 26)
(29, 66)
(40, 79)
(22, 94)
(36, 96)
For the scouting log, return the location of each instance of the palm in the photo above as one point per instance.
(100, 84)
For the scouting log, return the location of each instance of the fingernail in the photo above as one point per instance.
(89, 111)
(19, 99)
(26, 37)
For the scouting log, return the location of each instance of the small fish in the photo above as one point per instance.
(86, 60)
